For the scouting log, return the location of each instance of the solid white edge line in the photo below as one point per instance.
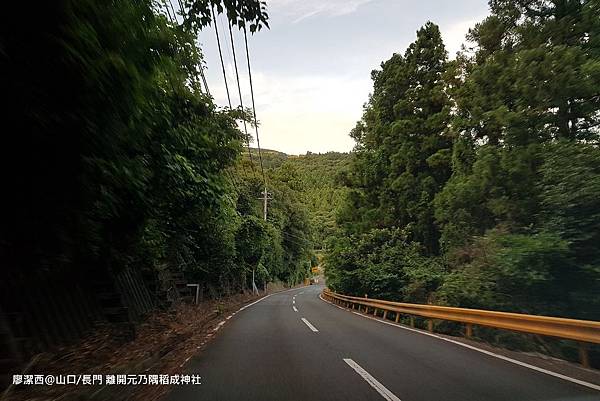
(266, 296)
(222, 322)
(505, 358)
(295, 309)
(310, 326)
(253, 303)
(380, 388)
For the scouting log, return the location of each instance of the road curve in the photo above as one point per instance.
(294, 346)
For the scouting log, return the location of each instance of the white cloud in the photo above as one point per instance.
(300, 108)
(298, 10)
(454, 34)
(297, 114)
(310, 113)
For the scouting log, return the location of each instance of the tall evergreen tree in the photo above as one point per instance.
(403, 150)
(513, 193)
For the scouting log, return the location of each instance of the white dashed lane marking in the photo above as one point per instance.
(310, 326)
(380, 388)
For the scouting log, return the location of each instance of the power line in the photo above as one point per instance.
(295, 242)
(182, 9)
(169, 75)
(220, 55)
(237, 78)
(237, 169)
(215, 22)
(230, 177)
(295, 236)
(226, 44)
(235, 174)
(193, 73)
(201, 70)
(167, 8)
(204, 79)
(174, 13)
(254, 108)
(233, 181)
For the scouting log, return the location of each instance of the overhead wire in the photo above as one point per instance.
(204, 79)
(230, 50)
(295, 236)
(201, 70)
(166, 6)
(295, 242)
(230, 176)
(212, 10)
(183, 13)
(193, 73)
(216, 21)
(174, 13)
(254, 108)
(182, 9)
(237, 78)
(226, 44)
(171, 15)
(233, 181)
(169, 76)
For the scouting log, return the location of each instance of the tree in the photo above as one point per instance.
(403, 150)
(115, 157)
(491, 157)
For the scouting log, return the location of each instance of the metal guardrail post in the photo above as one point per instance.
(584, 356)
(468, 330)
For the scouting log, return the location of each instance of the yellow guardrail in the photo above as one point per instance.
(583, 331)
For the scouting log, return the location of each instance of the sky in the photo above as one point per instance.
(311, 70)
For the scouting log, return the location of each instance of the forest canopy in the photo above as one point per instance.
(118, 157)
(475, 181)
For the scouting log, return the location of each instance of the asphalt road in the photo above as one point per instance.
(268, 352)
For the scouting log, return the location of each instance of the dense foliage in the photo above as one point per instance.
(116, 158)
(316, 180)
(323, 194)
(475, 181)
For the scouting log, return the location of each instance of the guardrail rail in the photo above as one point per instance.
(582, 331)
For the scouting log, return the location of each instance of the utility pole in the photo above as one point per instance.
(266, 196)
(254, 288)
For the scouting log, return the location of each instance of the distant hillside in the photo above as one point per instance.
(320, 191)
(323, 194)
(271, 158)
